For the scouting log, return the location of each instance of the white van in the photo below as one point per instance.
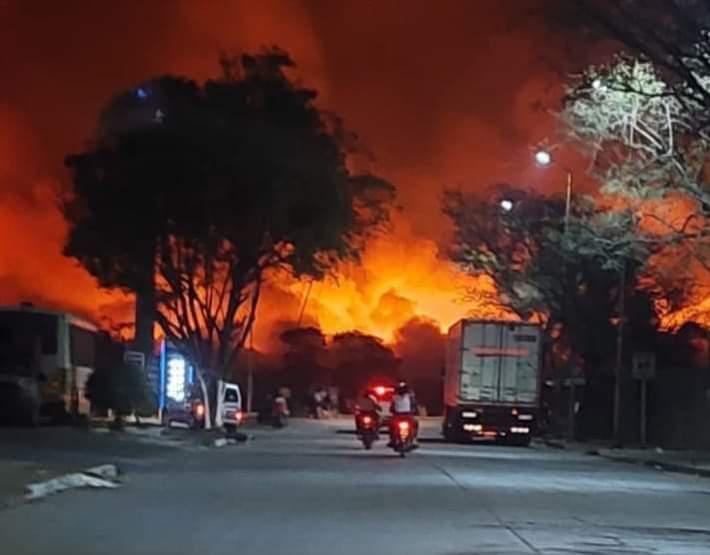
(232, 414)
(190, 411)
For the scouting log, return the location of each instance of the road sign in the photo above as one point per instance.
(643, 366)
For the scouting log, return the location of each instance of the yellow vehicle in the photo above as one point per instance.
(46, 358)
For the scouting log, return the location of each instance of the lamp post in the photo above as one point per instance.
(544, 159)
(619, 361)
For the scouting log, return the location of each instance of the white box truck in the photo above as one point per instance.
(492, 381)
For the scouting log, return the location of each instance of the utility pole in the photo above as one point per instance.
(568, 198)
(619, 353)
(569, 285)
(304, 304)
(250, 372)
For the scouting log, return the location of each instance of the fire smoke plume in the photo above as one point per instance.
(439, 95)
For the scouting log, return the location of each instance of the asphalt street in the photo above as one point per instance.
(311, 489)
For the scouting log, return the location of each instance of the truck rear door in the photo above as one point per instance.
(500, 363)
(480, 369)
(519, 375)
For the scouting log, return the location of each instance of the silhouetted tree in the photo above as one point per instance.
(669, 34)
(212, 186)
(306, 361)
(421, 346)
(360, 358)
(566, 274)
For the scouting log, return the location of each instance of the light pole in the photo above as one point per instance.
(544, 159)
(619, 361)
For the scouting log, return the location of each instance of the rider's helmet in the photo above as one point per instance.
(402, 388)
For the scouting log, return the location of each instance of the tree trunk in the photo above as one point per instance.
(145, 320)
(219, 404)
(206, 401)
(146, 303)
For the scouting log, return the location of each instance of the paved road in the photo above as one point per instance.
(309, 490)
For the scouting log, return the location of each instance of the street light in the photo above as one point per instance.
(543, 157)
(598, 85)
(506, 205)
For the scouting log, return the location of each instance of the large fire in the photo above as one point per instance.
(440, 96)
(400, 277)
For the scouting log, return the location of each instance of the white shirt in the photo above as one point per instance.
(402, 404)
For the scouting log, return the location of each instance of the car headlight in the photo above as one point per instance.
(472, 427)
(469, 414)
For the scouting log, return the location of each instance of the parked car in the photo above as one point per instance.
(232, 413)
(191, 412)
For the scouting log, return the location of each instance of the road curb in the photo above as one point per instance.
(661, 465)
(650, 463)
(553, 443)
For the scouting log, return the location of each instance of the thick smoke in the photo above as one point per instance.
(445, 94)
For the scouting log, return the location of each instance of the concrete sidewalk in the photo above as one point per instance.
(682, 461)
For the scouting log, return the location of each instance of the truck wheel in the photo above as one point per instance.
(448, 430)
(56, 413)
(520, 441)
(449, 434)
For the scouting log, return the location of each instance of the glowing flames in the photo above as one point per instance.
(32, 267)
(424, 134)
(400, 276)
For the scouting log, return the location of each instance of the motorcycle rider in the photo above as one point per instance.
(404, 405)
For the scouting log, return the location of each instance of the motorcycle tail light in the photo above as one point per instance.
(367, 420)
(199, 410)
(403, 428)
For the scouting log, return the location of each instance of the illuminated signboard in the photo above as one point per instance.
(176, 379)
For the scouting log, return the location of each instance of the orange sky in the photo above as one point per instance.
(441, 94)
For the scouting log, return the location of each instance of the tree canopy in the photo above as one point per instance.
(198, 190)
(642, 118)
(564, 273)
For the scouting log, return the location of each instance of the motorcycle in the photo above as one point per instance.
(366, 424)
(403, 434)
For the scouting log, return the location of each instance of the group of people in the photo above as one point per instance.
(321, 403)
